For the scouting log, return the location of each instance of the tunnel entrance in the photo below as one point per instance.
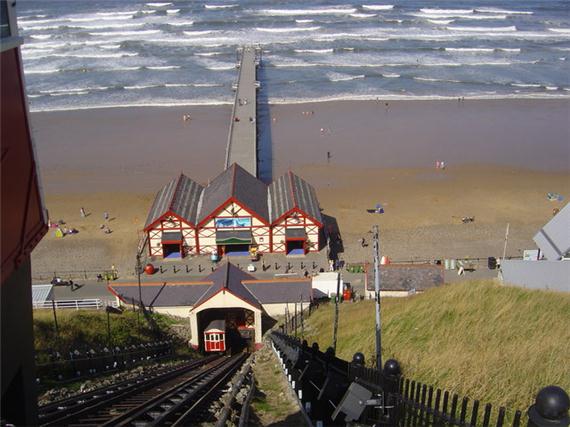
(239, 328)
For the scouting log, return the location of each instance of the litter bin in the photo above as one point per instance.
(492, 262)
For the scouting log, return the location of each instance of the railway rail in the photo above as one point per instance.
(171, 397)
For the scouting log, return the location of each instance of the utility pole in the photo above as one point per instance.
(55, 321)
(337, 301)
(376, 246)
(140, 290)
(505, 247)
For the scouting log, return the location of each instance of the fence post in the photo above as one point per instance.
(550, 408)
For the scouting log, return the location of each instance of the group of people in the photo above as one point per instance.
(104, 227)
(440, 164)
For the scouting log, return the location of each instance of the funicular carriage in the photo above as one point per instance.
(215, 336)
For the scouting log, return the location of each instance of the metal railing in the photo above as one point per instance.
(75, 304)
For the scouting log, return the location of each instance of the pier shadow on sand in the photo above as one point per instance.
(264, 140)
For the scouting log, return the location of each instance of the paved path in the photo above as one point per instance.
(242, 138)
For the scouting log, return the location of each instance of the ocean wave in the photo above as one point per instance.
(43, 45)
(560, 30)
(429, 79)
(286, 30)
(138, 87)
(390, 75)
(181, 23)
(304, 21)
(158, 4)
(41, 36)
(498, 10)
(120, 69)
(441, 21)
(69, 93)
(43, 27)
(511, 28)
(148, 12)
(446, 11)
(294, 12)
(314, 50)
(172, 11)
(220, 6)
(563, 49)
(508, 49)
(124, 33)
(194, 85)
(338, 77)
(551, 87)
(163, 67)
(42, 71)
(469, 49)
(378, 6)
(221, 67)
(110, 46)
(363, 15)
(199, 33)
(208, 53)
(471, 17)
(101, 26)
(137, 104)
(99, 18)
(533, 85)
(73, 90)
(129, 12)
(95, 55)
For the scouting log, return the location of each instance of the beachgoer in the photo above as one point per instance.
(106, 215)
(442, 164)
(82, 211)
(322, 131)
(236, 119)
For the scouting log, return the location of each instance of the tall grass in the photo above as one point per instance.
(87, 329)
(479, 339)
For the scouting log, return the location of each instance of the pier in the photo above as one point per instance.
(242, 137)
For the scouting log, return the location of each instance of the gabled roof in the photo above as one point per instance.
(238, 184)
(229, 277)
(554, 238)
(290, 192)
(180, 196)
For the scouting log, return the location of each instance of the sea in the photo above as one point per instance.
(90, 54)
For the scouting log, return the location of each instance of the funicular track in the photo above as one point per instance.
(171, 397)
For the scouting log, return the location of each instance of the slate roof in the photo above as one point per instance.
(405, 277)
(163, 296)
(235, 182)
(218, 324)
(288, 192)
(229, 277)
(181, 196)
(277, 291)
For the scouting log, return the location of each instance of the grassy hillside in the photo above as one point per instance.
(479, 339)
(88, 328)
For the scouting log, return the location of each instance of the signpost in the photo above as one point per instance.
(376, 247)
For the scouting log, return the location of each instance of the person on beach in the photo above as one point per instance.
(82, 211)
(106, 215)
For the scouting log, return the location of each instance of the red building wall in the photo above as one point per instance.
(23, 220)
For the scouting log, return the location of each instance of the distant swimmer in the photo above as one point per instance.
(186, 117)
(322, 131)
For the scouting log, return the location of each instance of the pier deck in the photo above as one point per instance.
(242, 138)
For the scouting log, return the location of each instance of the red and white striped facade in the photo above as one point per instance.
(233, 206)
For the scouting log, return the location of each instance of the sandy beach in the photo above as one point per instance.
(502, 158)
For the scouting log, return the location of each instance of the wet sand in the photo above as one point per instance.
(502, 158)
